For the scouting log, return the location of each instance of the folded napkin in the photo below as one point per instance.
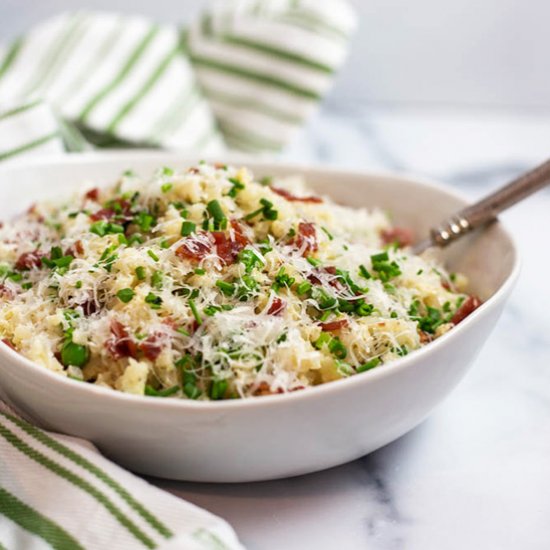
(245, 76)
(58, 492)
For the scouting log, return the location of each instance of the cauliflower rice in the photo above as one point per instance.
(207, 284)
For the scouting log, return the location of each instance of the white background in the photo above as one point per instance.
(483, 53)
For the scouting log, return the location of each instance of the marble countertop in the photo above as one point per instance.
(476, 474)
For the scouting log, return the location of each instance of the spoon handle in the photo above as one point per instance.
(487, 209)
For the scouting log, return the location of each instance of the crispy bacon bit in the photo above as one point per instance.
(219, 165)
(76, 249)
(6, 292)
(123, 212)
(276, 307)
(92, 194)
(103, 214)
(120, 344)
(306, 238)
(224, 247)
(32, 211)
(227, 245)
(238, 234)
(425, 337)
(28, 260)
(400, 235)
(264, 389)
(195, 247)
(193, 170)
(152, 346)
(8, 343)
(89, 307)
(331, 270)
(228, 249)
(468, 306)
(293, 198)
(331, 326)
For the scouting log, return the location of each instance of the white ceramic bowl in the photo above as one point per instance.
(274, 436)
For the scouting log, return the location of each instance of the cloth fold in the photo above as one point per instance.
(58, 492)
(245, 76)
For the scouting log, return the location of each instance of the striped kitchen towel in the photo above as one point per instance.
(244, 77)
(58, 492)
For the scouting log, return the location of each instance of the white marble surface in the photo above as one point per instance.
(476, 474)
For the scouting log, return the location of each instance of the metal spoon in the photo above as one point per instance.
(486, 210)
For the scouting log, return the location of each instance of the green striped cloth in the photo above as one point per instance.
(244, 77)
(59, 492)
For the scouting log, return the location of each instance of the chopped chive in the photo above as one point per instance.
(200, 271)
(364, 272)
(215, 210)
(313, 261)
(238, 185)
(26, 286)
(78, 284)
(187, 228)
(227, 288)
(74, 354)
(304, 287)
(152, 255)
(181, 330)
(328, 234)
(166, 187)
(125, 295)
(157, 279)
(195, 312)
(140, 273)
(337, 348)
(369, 365)
(153, 300)
(218, 389)
(149, 390)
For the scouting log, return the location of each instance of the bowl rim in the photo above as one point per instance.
(313, 392)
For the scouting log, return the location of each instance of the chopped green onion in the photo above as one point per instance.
(144, 220)
(218, 389)
(200, 271)
(152, 255)
(304, 287)
(313, 261)
(187, 228)
(140, 273)
(153, 300)
(74, 354)
(337, 348)
(125, 294)
(250, 259)
(327, 233)
(156, 280)
(149, 390)
(267, 210)
(324, 339)
(227, 288)
(369, 365)
(364, 273)
(102, 228)
(166, 187)
(195, 312)
(215, 210)
(237, 186)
